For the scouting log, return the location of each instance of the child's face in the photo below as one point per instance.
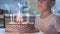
(44, 5)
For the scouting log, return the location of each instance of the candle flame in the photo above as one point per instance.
(19, 17)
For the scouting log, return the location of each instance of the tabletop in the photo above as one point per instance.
(2, 31)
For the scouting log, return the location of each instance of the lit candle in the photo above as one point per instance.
(27, 18)
(11, 17)
(18, 17)
(21, 17)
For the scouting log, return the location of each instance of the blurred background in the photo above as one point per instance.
(8, 7)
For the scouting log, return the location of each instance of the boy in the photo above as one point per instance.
(47, 22)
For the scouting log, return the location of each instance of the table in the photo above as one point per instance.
(2, 31)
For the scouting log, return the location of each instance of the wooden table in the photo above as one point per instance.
(2, 31)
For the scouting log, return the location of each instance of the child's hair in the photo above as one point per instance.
(53, 0)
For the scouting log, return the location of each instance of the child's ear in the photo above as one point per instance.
(53, 3)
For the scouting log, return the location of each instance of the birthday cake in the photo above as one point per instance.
(19, 27)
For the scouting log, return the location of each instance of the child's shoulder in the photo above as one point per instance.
(56, 16)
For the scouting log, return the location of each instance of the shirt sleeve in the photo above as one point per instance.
(36, 22)
(57, 24)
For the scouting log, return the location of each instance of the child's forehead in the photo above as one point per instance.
(44, 0)
(47, 0)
